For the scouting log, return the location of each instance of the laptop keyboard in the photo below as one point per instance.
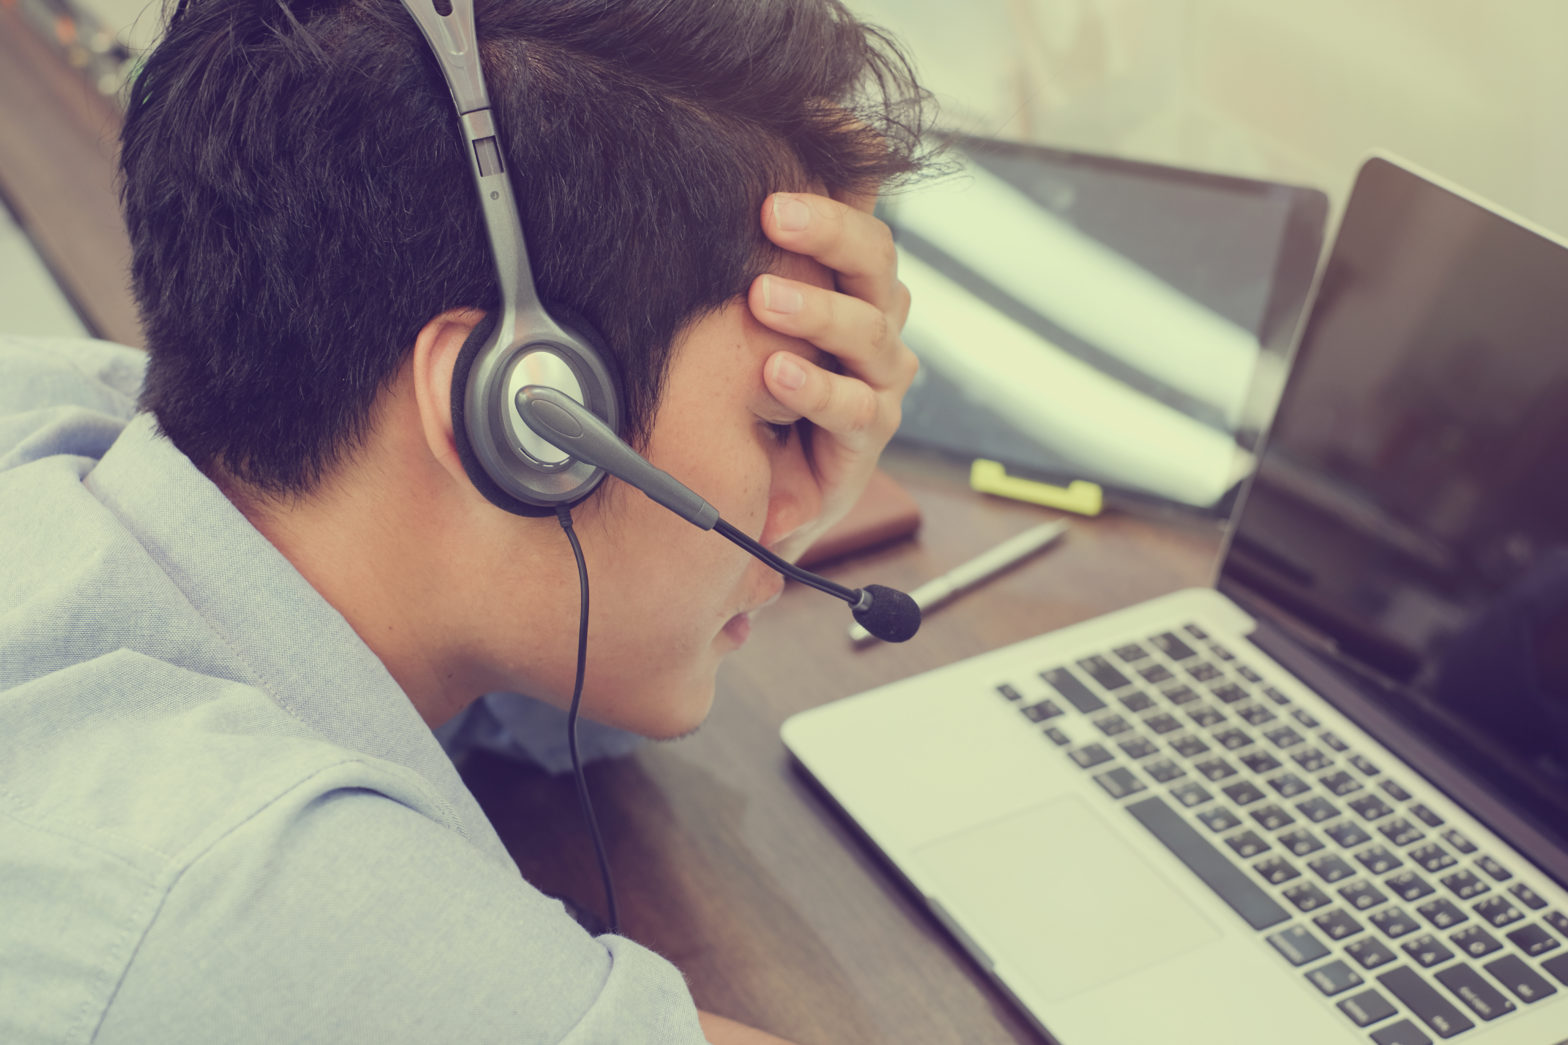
(1373, 897)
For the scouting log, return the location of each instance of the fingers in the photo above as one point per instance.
(845, 238)
(857, 416)
(862, 336)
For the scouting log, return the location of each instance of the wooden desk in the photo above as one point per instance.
(726, 860)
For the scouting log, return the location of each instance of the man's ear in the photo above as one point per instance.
(436, 349)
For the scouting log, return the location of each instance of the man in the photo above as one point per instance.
(228, 625)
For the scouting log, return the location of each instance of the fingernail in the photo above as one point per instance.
(791, 214)
(788, 374)
(778, 296)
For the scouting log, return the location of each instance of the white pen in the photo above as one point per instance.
(982, 567)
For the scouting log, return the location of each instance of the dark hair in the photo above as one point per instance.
(299, 203)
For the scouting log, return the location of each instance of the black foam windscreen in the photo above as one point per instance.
(892, 616)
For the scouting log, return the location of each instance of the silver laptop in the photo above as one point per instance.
(1326, 800)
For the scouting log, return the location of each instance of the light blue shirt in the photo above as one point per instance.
(220, 818)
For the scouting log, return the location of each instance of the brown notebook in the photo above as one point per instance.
(885, 512)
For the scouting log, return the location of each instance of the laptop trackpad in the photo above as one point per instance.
(1060, 900)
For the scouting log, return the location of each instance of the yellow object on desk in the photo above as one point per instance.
(1079, 496)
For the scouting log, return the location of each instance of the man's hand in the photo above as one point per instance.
(855, 411)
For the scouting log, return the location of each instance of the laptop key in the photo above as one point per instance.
(1233, 739)
(1140, 747)
(1527, 896)
(1046, 709)
(1427, 950)
(1112, 725)
(1377, 859)
(1247, 844)
(1558, 967)
(1421, 998)
(1276, 696)
(1306, 897)
(1312, 759)
(1442, 914)
(1459, 841)
(1402, 1033)
(1301, 842)
(1408, 886)
(1337, 924)
(1332, 741)
(1498, 911)
(1190, 794)
(1340, 782)
(1056, 736)
(1180, 695)
(1558, 921)
(1009, 692)
(1367, 1008)
(1276, 870)
(1432, 857)
(1189, 746)
(1400, 831)
(1072, 690)
(1533, 940)
(1298, 945)
(1426, 816)
(1331, 868)
(1370, 952)
(1120, 782)
(1475, 941)
(1394, 923)
(1481, 997)
(1137, 701)
(1219, 769)
(1219, 819)
(1272, 817)
(1370, 807)
(1524, 982)
(1103, 672)
(1171, 645)
(1231, 693)
(1317, 809)
(1214, 868)
(1347, 834)
(1243, 792)
(1496, 871)
(1203, 671)
(1362, 895)
(1259, 761)
(1333, 977)
(1162, 723)
(1156, 673)
(1090, 755)
(1131, 653)
(1464, 885)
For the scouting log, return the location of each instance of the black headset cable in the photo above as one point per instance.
(613, 920)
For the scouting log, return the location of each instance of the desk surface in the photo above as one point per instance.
(725, 859)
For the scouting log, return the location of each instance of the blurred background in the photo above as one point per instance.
(1273, 93)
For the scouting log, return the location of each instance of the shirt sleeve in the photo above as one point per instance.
(346, 916)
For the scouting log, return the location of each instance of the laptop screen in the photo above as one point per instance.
(1411, 503)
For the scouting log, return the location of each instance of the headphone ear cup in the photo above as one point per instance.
(465, 448)
(595, 369)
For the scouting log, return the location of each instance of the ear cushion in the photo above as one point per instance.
(589, 338)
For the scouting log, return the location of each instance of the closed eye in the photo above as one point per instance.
(781, 432)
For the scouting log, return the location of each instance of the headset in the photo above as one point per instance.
(536, 398)
(536, 402)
